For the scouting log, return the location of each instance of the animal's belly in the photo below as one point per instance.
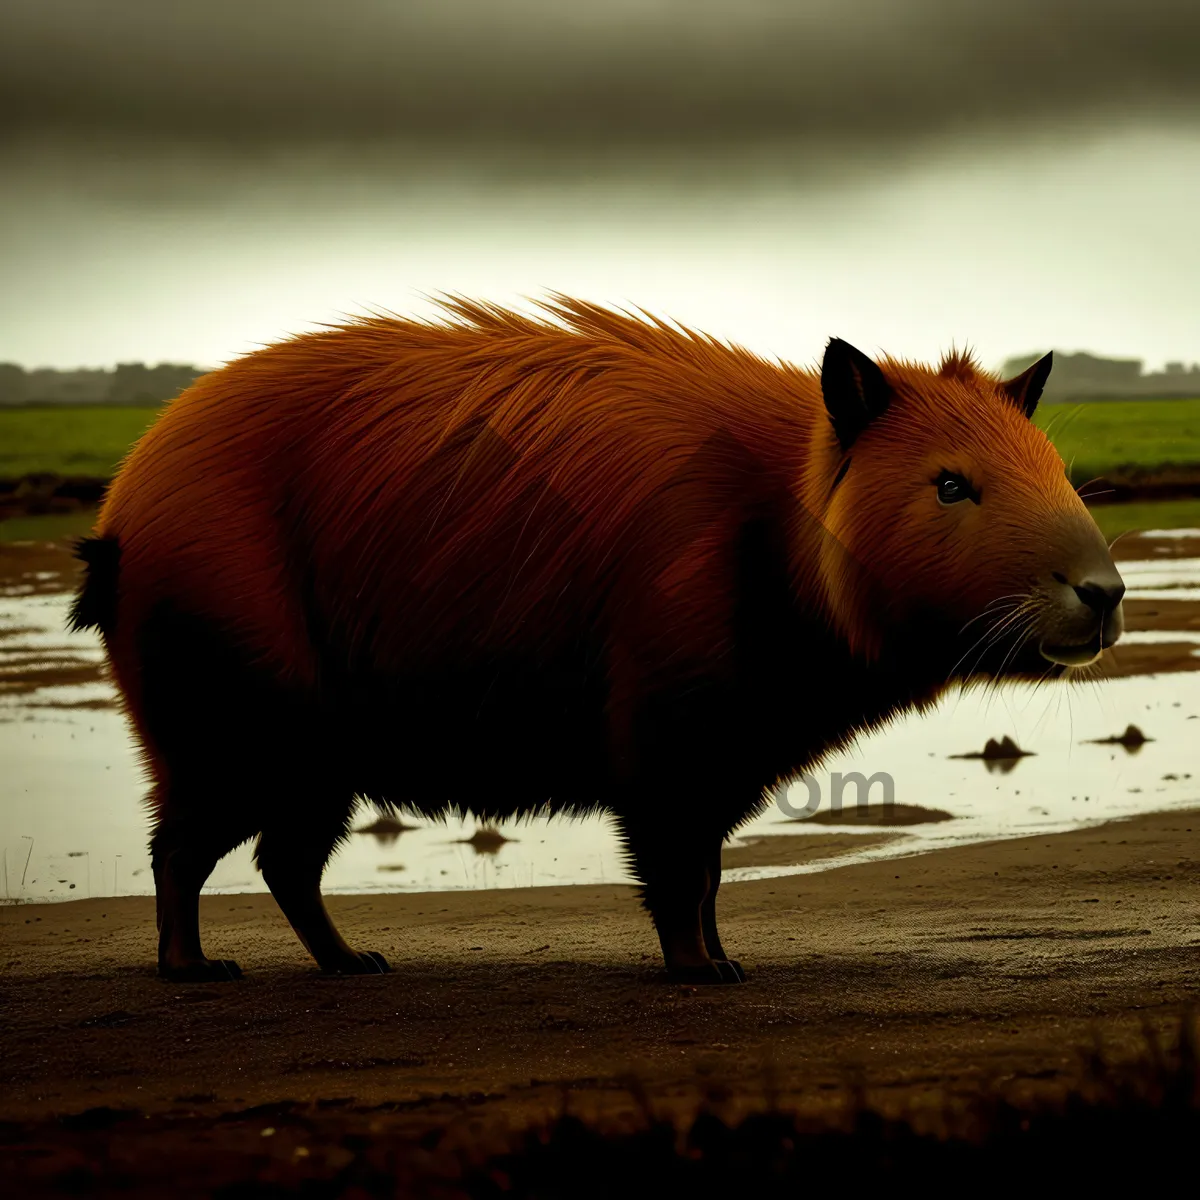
(501, 738)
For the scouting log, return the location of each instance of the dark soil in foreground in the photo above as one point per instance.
(906, 985)
(1133, 1122)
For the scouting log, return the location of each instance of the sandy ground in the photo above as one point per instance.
(999, 961)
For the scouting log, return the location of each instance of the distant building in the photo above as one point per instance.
(1075, 377)
(1088, 377)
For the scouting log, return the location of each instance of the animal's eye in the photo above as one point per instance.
(952, 488)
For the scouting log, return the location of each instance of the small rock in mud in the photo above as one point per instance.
(386, 829)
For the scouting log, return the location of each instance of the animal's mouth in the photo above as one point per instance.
(1072, 656)
(1057, 649)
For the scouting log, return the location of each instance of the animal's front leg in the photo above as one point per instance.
(708, 912)
(676, 875)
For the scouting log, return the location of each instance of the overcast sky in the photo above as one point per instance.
(183, 180)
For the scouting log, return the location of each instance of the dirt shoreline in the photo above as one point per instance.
(999, 961)
(46, 492)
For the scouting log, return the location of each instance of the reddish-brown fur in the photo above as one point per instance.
(583, 561)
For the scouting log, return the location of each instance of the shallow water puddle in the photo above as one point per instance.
(1162, 578)
(71, 824)
(1068, 781)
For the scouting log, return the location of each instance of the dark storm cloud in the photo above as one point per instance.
(571, 76)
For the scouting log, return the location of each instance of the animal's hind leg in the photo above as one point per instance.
(292, 855)
(187, 843)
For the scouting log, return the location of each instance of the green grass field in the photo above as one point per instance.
(1094, 438)
(1115, 519)
(76, 440)
(55, 527)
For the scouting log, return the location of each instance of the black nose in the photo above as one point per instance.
(1101, 595)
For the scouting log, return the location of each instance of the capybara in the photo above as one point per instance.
(577, 561)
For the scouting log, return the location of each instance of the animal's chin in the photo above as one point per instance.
(1072, 656)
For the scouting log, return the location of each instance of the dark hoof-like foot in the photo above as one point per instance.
(734, 966)
(369, 962)
(207, 970)
(717, 971)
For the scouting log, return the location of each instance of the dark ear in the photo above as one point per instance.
(854, 388)
(1025, 390)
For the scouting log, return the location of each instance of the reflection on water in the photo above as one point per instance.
(1003, 765)
(386, 830)
(486, 840)
(71, 823)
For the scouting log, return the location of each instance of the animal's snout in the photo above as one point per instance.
(1102, 593)
(1084, 614)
